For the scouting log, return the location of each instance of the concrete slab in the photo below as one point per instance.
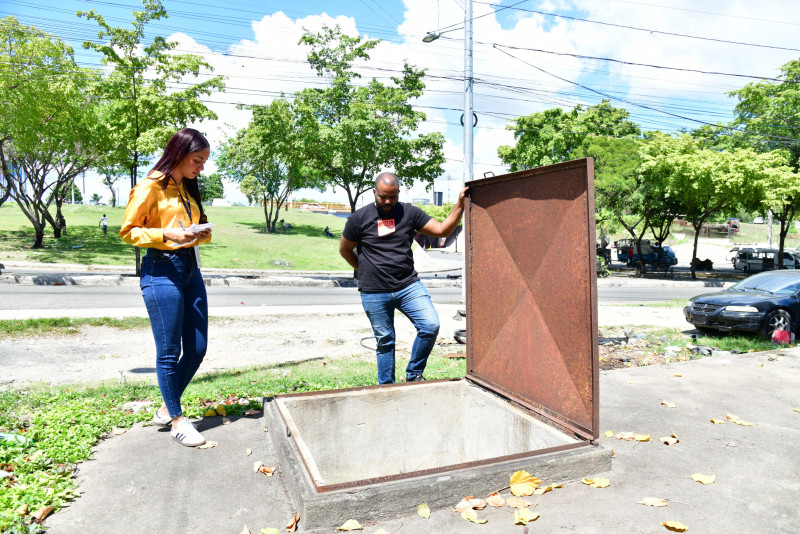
(376, 452)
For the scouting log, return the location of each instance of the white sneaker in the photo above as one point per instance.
(186, 434)
(161, 420)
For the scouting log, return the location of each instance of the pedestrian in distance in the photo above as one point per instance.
(381, 234)
(327, 232)
(104, 224)
(160, 209)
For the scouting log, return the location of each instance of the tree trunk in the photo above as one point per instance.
(694, 249)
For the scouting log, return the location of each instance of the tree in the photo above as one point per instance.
(210, 187)
(144, 107)
(351, 132)
(704, 182)
(264, 159)
(780, 193)
(95, 199)
(555, 135)
(771, 110)
(49, 129)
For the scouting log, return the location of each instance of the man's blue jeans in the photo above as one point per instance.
(414, 302)
(175, 297)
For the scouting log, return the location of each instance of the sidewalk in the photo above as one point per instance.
(434, 272)
(142, 481)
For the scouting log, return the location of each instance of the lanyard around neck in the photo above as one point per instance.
(186, 204)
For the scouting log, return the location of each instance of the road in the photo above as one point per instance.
(27, 297)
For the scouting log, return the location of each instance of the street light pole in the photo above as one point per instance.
(468, 170)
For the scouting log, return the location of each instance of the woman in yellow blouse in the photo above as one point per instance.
(160, 211)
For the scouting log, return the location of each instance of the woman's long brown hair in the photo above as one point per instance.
(183, 143)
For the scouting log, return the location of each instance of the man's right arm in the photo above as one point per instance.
(347, 251)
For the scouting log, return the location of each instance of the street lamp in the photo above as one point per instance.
(468, 82)
(468, 124)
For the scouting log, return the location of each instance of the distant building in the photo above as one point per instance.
(221, 202)
(420, 201)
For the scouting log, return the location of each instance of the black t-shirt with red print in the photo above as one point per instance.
(385, 262)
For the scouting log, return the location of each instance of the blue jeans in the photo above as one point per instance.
(175, 297)
(414, 302)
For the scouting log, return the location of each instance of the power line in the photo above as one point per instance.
(671, 34)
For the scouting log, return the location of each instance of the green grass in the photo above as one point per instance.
(240, 239)
(673, 303)
(65, 326)
(65, 422)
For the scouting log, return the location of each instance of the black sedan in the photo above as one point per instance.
(761, 303)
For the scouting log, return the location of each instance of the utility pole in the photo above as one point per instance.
(468, 125)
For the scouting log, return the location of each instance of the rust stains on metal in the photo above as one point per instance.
(531, 291)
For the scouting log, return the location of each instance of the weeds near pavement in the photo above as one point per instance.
(64, 423)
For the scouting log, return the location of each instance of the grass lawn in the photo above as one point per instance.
(240, 239)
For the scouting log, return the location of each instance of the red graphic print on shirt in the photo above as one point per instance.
(385, 227)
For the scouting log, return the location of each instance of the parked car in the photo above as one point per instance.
(752, 260)
(758, 220)
(651, 254)
(762, 303)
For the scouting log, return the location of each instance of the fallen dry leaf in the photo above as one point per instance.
(796, 409)
(670, 440)
(653, 501)
(678, 375)
(472, 515)
(380, 531)
(424, 511)
(350, 524)
(267, 470)
(630, 382)
(226, 421)
(734, 419)
(22, 510)
(596, 482)
(118, 431)
(523, 483)
(41, 514)
(523, 516)
(257, 466)
(209, 413)
(208, 445)
(717, 421)
(642, 437)
(675, 526)
(250, 412)
(609, 434)
(626, 436)
(668, 404)
(270, 530)
(551, 487)
(495, 500)
(220, 409)
(248, 452)
(470, 503)
(292, 526)
(266, 429)
(245, 530)
(515, 502)
(704, 479)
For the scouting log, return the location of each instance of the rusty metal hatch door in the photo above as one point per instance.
(531, 291)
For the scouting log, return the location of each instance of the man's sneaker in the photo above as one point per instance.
(186, 434)
(416, 378)
(161, 420)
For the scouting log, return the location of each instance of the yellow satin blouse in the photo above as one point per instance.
(151, 209)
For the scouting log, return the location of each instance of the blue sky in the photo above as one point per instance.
(254, 44)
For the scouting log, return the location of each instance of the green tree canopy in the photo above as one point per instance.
(555, 135)
(49, 127)
(265, 160)
(210, 187)
(771, 110)
(351, 132)
(146, 90)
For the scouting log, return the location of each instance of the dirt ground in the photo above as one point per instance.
(101, 353)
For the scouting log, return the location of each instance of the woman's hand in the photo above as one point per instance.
(182, 237)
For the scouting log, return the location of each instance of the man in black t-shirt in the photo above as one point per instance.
(382, 233)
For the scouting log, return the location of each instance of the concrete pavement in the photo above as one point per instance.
(142, 481)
